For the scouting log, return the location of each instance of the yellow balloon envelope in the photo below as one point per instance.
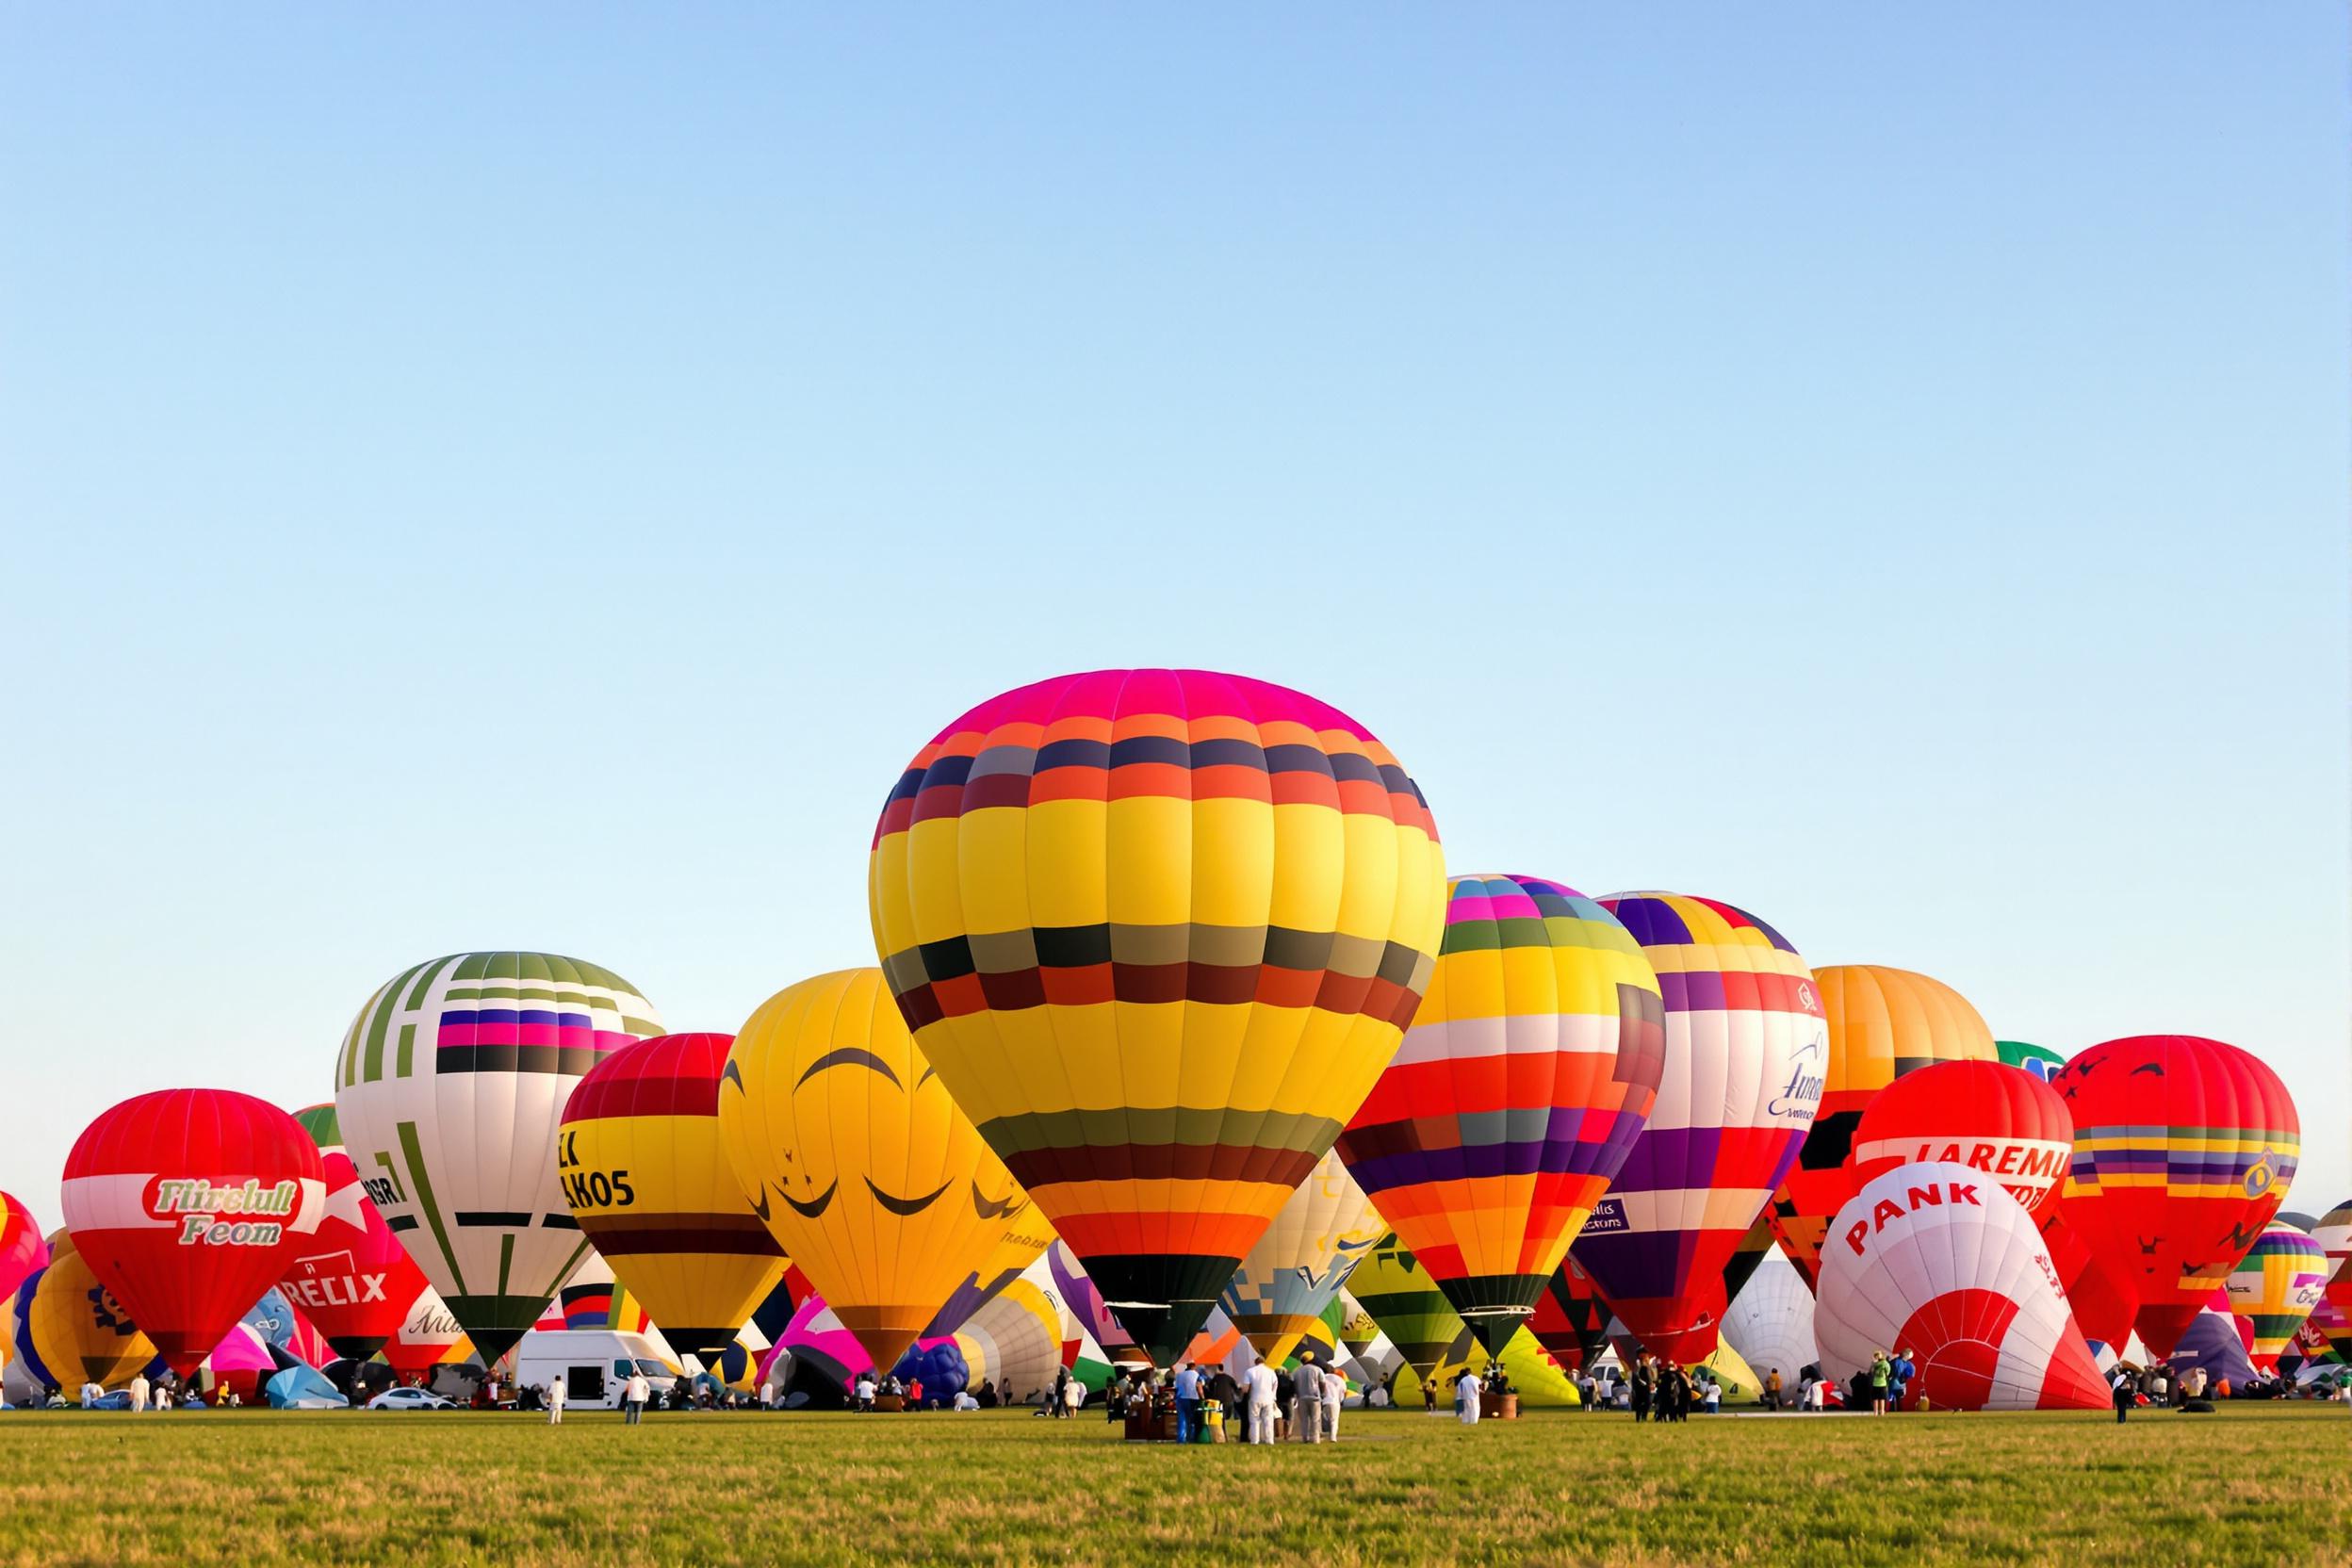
(639, 1159)
(1160, 931)
(863, 1168)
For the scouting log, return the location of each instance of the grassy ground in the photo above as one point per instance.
(2264, 1484)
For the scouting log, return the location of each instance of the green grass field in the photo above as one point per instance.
(2261, 1485)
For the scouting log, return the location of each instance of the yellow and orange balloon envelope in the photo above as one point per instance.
(1883, 1024)
(639, 1159)
(1160, 930)
(862, 1167)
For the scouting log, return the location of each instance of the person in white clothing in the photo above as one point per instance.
(555, 1401)
(634, 1395)
(138, 1391)
(1335, 1390)
(91, 1394)
(1466, 1389)
(1262, 1380)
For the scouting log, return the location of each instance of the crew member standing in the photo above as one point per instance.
(555, 1400)
(1264, 1380)
(1306, 1409)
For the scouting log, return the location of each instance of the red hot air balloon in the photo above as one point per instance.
(2183, 1148)
(188, 1204)
(21, 1248)
(1989, 1116)
(351, 1278)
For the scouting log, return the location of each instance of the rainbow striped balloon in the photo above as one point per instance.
(1158, 931)
(1746, 1049)
(1516, 1096)
(2275, 1287)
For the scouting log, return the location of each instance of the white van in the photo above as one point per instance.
(593, 1364)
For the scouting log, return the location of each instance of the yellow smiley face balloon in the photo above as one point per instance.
(861, 1165)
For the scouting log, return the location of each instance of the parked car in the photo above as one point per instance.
(409, 1399)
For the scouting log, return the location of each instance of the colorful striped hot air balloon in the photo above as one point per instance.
(639, 1159)
(2184, 1150)
(1159, 930)
(1518, 1092)
(864, 1169)
(1883, 1024)
(1391, 1286)
(2275, 1287)
(2334, 1234)
(449, 1088)
(1745, 1049)
(1297, 1268)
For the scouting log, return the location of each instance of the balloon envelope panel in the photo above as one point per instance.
(22, 1248)
(1520, 1089)
(2184, 1150)
(1159, 930)
(449, 1088)
(1747, 1046)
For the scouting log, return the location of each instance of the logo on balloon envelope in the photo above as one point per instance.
(1608, 1214)
(1932, 1195)
(213, 1216)
(2262, 1173)
(330, 1280)
(1800, 1096)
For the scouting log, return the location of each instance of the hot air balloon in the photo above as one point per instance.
(1297, 1266)
(2183, 1148)
(1745, 1049)
(1745, 1258)
(2103, 1303)
(2334, 1234)
(1993, 1119)
(448, 1089)
(351, 1277)
(864, 1169)
(2039, 1060)
(1571, 1318)
(1520, 1087)
(188, 1203)
(21, 1247)
(639, 1159)
(1883, 1024)
(2219, 1343)
(2275, 1287)
(1391, 1284)
(1014, 1336)
(428, 1337)
(66, 1328)
(1939, 1260)
(1770, 1320)
(1084, 1302)
(1159, 930)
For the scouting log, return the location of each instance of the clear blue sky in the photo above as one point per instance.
(485, 476)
